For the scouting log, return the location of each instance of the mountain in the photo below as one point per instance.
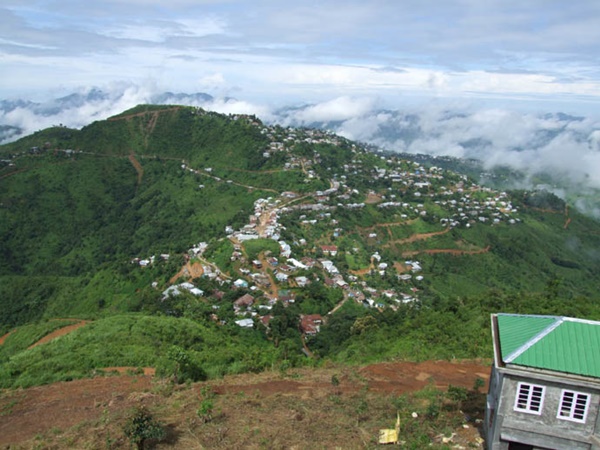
(516, 150)
(19, 117)
(96, 96)
(172, 231)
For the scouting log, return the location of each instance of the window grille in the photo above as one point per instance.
(530, 398)
(573, 406)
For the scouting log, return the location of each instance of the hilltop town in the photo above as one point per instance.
(303, 238)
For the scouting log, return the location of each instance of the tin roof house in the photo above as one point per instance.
(545, 384)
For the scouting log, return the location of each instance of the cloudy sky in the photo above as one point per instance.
(534, 54)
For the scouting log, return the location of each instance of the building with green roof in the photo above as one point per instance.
(545, 383)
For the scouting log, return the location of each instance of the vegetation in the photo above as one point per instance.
(81, 209)
(142, 426)
(345, 407)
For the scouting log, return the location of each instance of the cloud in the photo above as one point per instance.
(457, 48)
(232, 106)
(159, 31)
(341, 108)
(90, 104)
(563, 146)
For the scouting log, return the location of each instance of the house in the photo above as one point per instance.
(239, 283)
(544, 388)
(245, 301)
(245, 323)
(302, 281)
(265, 320)
(329, 249)
(281, 277)
(286, 296)
(310, 324)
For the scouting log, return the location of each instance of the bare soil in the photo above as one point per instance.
(138, 167)
(3, 338)
(373, 198)
(300, 409)
(189, 270)
(29, 412)
(449, 251)
(60, 332)
(417, 237)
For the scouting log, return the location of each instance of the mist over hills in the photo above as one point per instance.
(406, 257)
(556, 151)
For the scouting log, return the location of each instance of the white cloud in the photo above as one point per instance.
(341, 108)
(562, 146)
(232, 106)
(158, 31)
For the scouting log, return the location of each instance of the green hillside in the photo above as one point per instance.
(402, 259)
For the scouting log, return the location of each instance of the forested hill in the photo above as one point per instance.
(172, 226)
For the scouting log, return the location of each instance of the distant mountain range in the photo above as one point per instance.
(556, 150)
(13, 113)
(77, 100)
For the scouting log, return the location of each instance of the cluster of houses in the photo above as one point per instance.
(408, 188)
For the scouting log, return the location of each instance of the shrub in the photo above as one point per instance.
(142, 426)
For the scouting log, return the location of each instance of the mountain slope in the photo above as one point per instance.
(400, 258)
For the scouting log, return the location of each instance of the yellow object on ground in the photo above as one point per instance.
(390, 436)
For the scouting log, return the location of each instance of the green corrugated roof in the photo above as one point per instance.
(517, 330)
(560, 344)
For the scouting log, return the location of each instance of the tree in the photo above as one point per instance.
(185, 367)
(142, 426)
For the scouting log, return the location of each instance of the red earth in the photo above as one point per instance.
(38, 410)
(60, 332)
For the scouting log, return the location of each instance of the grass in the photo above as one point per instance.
(245, 412)
(27, 335)
(129, 340)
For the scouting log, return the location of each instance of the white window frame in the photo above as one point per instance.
(571, 409)
(527, 389)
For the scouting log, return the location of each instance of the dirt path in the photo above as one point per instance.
(260, 171)
(447, 251)
(6, 175)
(339, 305)
(273, 290)
(390, 378)
(417, 237)
(155, 113)
(60, 332)
(123, 370)
(138, 167)
(389, 224)
(568, 219)
(214, 177)
(3, 338)
(190, 271)
(362, 272)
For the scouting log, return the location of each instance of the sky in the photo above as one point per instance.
(530, 55)
(465, 78)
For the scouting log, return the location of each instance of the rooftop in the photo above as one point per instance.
(561, 344)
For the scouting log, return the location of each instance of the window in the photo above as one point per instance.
(530, 398)
(573, 406)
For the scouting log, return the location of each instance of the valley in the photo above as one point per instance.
(202, 247)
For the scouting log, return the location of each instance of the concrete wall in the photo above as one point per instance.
(545, 430)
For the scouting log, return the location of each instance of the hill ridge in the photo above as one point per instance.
(309, 248)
